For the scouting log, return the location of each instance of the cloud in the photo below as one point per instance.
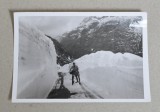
(53, 25)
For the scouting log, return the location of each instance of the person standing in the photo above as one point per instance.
(75, 73)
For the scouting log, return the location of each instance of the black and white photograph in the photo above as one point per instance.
(80, 57)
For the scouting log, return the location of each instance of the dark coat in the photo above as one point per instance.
(74, 70)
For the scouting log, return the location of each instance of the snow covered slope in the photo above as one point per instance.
(112, 75)
(37, 69)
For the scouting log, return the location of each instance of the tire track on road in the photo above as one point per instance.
(90, 93)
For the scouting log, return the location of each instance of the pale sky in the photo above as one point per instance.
(53, 25)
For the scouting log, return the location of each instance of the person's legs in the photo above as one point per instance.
(62, 86)
(72, 79)
(77, 78)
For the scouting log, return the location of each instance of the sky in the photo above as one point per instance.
(53, 25)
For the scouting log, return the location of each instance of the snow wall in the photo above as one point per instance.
(37, 68)
(114, 76)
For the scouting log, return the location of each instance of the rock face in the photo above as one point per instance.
(37, 68)
(116, 34)
(62, 56)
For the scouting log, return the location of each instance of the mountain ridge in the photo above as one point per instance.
(109, 33)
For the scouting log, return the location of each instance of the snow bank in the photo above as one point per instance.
(37, 69)
(112, 75)
(107, 58)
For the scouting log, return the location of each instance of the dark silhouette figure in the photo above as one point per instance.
(61, 80)
(74, 71)
(59, 91)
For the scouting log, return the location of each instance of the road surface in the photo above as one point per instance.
(80, 91)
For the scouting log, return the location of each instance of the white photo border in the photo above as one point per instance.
(146, 82)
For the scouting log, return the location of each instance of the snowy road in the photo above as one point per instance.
(79, 91)
(90, 93)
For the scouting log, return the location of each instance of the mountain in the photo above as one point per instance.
(108, 33)
(62, 56)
